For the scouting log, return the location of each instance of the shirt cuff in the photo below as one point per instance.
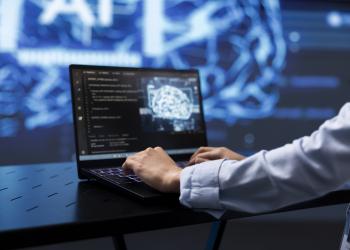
(199, 185)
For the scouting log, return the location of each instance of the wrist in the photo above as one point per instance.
(173, 182)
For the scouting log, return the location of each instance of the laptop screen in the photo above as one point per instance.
(120, 111)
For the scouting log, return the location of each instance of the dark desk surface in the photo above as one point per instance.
(42, 204)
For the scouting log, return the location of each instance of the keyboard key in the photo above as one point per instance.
(117, 175)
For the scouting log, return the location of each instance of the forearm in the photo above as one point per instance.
(305, 169)
(258, 184)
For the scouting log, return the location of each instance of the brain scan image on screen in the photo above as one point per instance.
(170, 104)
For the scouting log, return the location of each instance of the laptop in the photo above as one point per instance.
(119, 111)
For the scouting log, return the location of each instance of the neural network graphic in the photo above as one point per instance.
(237, 45)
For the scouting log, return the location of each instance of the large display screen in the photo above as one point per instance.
(271, 71)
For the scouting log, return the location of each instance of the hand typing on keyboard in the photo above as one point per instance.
(213, 153)
(155, 168)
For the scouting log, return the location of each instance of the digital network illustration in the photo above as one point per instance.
(263, 64)
(239, 52)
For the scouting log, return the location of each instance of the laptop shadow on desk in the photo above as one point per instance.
(97, 201)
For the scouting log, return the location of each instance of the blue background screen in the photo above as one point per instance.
(270, 71)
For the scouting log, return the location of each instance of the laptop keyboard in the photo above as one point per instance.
(116, 175)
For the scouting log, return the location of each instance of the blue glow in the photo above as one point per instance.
(239, 51)
(334, 19)
(338, 19)
(315, 82)
(297, 113)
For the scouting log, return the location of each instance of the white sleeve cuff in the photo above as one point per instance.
(199, 185)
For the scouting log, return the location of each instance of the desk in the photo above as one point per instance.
(46, 203)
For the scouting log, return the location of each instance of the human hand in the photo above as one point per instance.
(155, 168)
(213, 153)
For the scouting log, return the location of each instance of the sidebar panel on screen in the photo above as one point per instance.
(107, 112)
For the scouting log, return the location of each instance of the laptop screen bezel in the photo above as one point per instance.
(118, 162)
